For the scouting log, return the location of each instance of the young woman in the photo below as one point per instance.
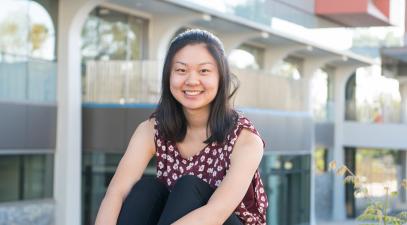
(207, 153)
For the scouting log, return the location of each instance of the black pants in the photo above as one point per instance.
(150, 203)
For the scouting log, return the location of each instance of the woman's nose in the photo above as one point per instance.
(192, 79)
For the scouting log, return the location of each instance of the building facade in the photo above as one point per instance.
(78, 76)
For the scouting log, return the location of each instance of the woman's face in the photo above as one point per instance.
(194, 78)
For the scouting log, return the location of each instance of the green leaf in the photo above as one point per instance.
(394, 194)
(402, 215)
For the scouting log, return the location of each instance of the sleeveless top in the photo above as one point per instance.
(211, 165)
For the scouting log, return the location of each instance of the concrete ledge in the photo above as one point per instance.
(370, 135)
(39, 212)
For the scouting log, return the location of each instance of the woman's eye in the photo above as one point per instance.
(205, 71)
(181, 70)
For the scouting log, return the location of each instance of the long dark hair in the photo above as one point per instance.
(172, 123)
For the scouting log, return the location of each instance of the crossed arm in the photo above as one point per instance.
(245, 159)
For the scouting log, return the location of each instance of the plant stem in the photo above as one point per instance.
(385, 205)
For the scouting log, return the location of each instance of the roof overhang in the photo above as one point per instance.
(222, 23)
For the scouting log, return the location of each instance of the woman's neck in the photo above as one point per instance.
(197, 119)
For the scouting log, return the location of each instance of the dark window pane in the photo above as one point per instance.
(10, 178)
(26, 176)
(287, 181)
(38, 175)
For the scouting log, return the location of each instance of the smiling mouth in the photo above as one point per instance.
(192, 93)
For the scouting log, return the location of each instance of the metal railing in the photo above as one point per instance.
(260, 89)
(121, 82)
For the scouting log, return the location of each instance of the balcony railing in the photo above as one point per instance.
(126, 82)
(28, 80)
(121, 82)
(260, 89)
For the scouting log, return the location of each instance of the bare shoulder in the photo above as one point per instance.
(249, 142)
(148, 124)
(143, 136)
(146, 127)
(247, 137)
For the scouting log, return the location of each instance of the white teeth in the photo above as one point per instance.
(192, 93)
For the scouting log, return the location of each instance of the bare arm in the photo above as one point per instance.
(130, 169)
(245, 159)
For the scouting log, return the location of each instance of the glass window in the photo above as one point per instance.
(26, 29)
(27, 176)
(10, 172)
(27, 51)
(113, 53)
(14, 27)
(38, 176)
(41, 33)
(111, 35)
(287, 181)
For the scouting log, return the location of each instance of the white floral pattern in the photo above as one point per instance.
(211, 165)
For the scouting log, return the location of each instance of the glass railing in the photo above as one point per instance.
(27, 79)
(260, 89)
(121, 82)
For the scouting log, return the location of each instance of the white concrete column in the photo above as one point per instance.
(310, 66)
(233, 40)
(273, 55)
(403, 115)
(342, 74)
(163, 28)
(68, 154)
(403, 93)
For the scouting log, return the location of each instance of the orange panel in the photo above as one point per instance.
(354, 13)
(340, 6)
(383, 6)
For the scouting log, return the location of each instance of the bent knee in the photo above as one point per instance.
(188, 180)
(149, 183)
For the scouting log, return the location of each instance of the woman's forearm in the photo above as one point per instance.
(109, 210)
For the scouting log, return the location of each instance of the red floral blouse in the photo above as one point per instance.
(211, 165)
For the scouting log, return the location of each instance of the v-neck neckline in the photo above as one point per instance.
(191, 158)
